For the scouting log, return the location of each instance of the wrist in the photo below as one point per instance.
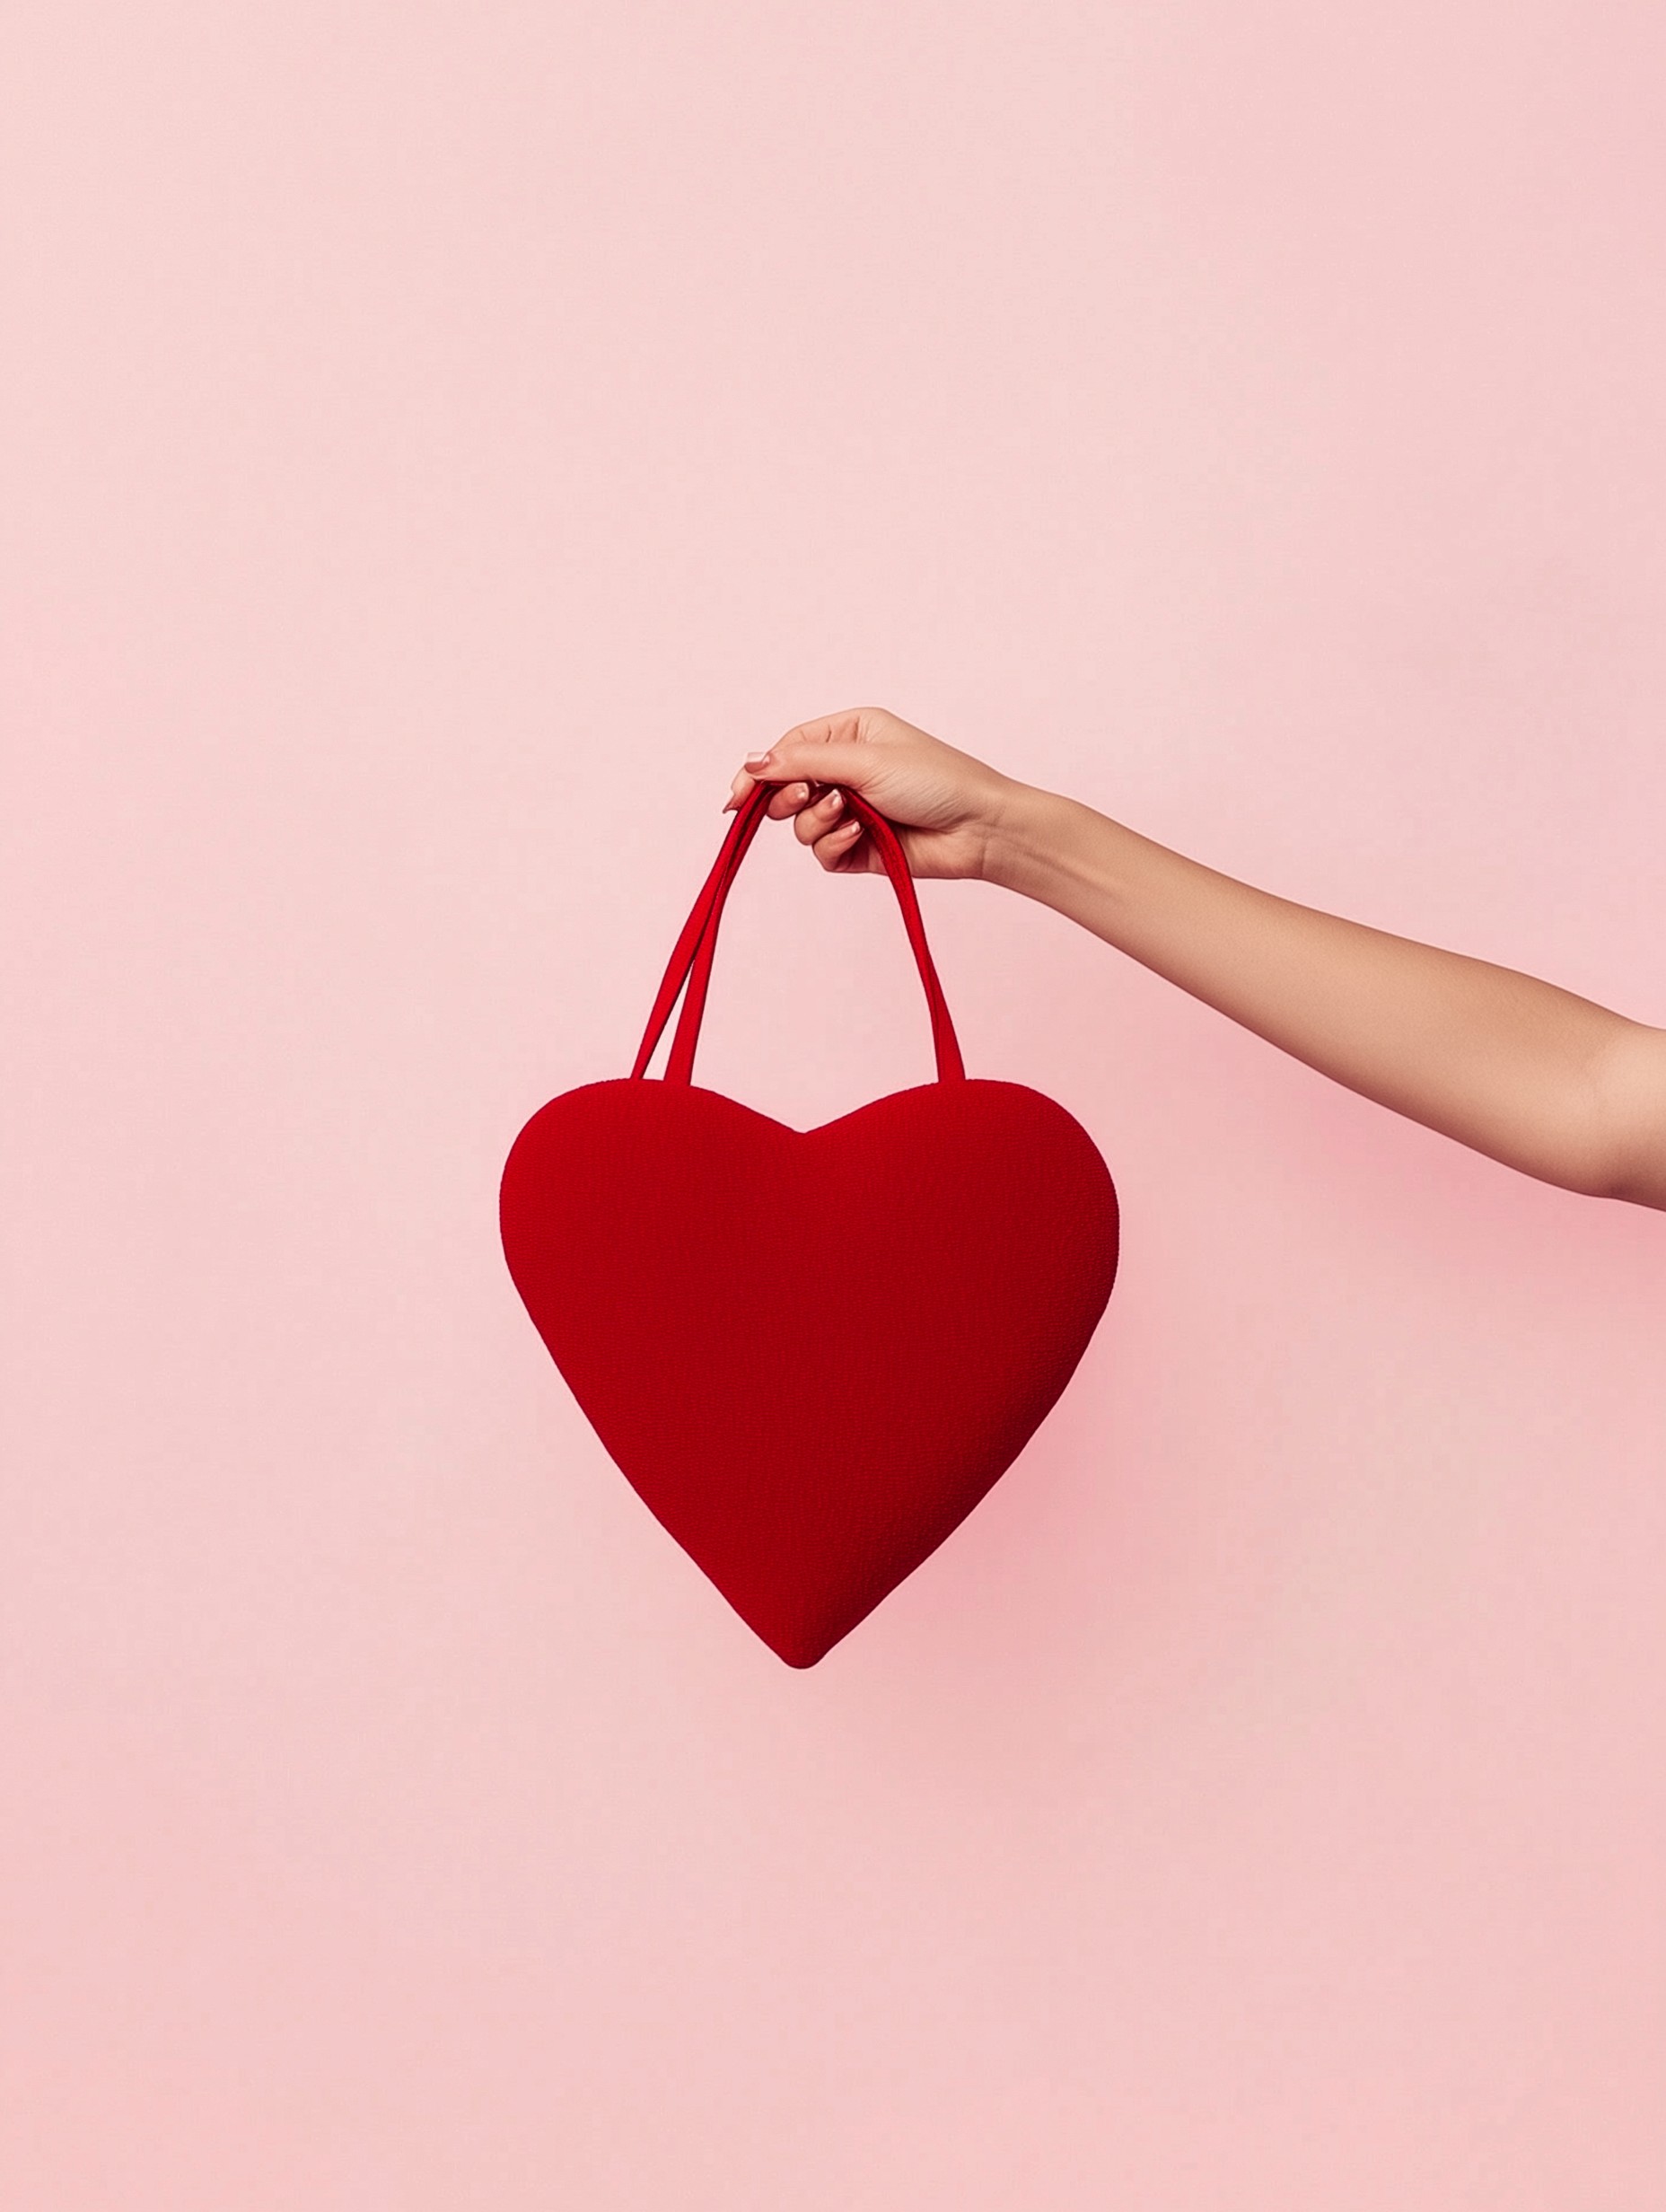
(1023, 835)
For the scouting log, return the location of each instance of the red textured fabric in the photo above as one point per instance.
(809, 1410)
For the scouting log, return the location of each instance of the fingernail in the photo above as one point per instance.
(833, 800)
(755, 760)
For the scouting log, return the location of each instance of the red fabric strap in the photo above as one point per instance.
(691, 961)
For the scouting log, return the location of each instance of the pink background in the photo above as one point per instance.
(438, 441)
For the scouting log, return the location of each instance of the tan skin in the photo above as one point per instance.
(1535, 1077)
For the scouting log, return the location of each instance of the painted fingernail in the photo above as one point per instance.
(833, 800)
(755, 760)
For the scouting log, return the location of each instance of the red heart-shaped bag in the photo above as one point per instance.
(810, 1352)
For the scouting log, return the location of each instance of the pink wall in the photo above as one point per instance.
(439, 441)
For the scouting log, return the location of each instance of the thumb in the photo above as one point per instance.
(813, 761)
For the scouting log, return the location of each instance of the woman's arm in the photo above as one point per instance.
(1531, 1074)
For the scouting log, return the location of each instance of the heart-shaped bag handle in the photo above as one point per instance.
(692, 959)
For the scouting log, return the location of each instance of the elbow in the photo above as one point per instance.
(1631, 1118)
(1639, 1178)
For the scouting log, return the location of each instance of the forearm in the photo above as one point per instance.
(1496, 1060)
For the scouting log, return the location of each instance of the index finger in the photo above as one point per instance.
(784, 800)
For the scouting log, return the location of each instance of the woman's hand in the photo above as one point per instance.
(946, 806)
